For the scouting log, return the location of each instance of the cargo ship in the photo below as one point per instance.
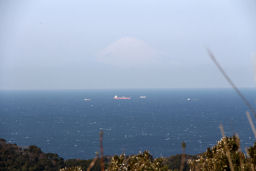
(121, 98)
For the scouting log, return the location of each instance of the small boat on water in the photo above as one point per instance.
(143, 97)
(87, 99)
(121, 98)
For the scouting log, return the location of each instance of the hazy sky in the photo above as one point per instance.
(90, 44)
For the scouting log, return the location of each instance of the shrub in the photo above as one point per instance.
(215, 158)
(140, 162)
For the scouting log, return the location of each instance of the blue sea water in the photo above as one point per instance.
(62, 122)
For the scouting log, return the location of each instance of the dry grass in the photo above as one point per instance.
(93, 162)
(183, 145)
(240, 153)
(97, 155)
(247, 103)
(226, 149)
(101, 151)
(251, 123)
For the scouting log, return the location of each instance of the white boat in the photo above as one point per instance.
(143, 97)
(87, 99)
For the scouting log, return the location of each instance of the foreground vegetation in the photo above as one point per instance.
(31, 158)
(225, 155)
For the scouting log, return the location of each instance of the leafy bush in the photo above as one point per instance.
(174, 162)
(76, 168)
(15, 158)
(216, 159)
(140, 162)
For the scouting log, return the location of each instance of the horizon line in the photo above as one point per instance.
(93, 89)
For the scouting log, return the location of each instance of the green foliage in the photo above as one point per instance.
(140, 162)
(14, 158)
(75, 168)
(84, 164)
(34, 149)
(215, 158)
(174, 162)
(252, 154)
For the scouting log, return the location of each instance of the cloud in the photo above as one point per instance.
(128, 52)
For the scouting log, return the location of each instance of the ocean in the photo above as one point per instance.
(63, 122)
